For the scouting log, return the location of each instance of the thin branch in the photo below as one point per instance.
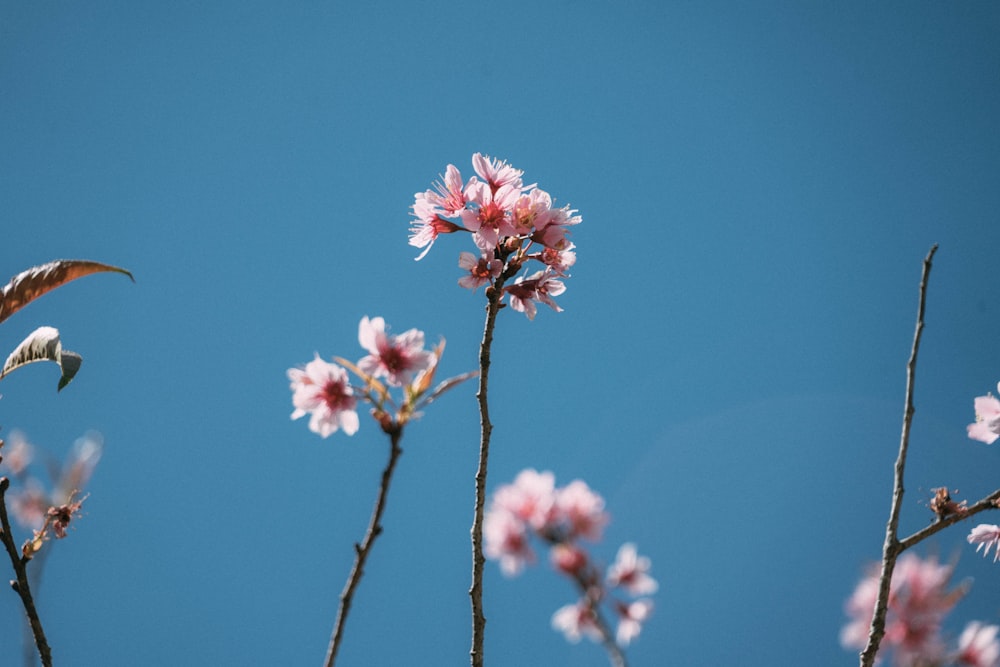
(362, 550)
(494, 296)
(20, 585)
(987, 503)
(892, 548)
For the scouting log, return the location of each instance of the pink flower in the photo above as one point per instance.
(568, 558)
(30, 503)
(531, 498)
(323, 390)
(428, 224)
(631, 618)
(397, 358)
(630, 572)
(449, 196)
(558, 260)
(978, 645)
(490, 219)
(551, 229)
(496, 173)
(506, 540)
(582, 510)
(480, 271)
(987, 425)
(987, 536)
(17, 455)
(575, 621)
(540, 286)
(919, 599)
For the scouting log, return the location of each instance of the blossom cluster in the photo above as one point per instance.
(48, 505)
(560, 518)
(511, 224)
(323, 389)
(920, 597)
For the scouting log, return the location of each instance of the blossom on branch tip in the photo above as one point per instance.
(986, 428)
(62, 515)
(496, 173)
(396, 358)
(322, 389)
(506, 540)
(986, 536)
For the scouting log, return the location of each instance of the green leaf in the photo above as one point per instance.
(43, 344)
(28, 285)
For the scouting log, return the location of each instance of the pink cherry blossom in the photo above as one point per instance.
(480, 270)
(397, 358)
(631, 618)
(630, 572)
(490, 219)
(551, 229)
(978, 645)
(506, 539)
(322, 389)
(987, 536)
(496, 173)
(575, 621)
(18, 453)
(919, 599)
(540, 286)
(582, 510)
(429, 223)
(531, 498)
(987, 425)
(449, 196)
(29, 503)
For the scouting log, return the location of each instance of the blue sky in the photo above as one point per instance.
(759, 183)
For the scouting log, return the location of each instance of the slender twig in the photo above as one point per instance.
(362, 550)
(494, 296)
(584, 581)
(987, 503)
(20, 585)
(892, 547)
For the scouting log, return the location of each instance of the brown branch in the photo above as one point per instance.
(20, 585)
(987, 503)
(362, 550)
(494, 296)
(892, 547)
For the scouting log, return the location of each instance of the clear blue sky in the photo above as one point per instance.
(759, 183)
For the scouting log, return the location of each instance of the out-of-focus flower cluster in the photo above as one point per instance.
(986, 428)
(323, 390)
(512, 225)
(560, 518)
(920, 597)
(50, 501)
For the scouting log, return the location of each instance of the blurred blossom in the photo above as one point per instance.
(630, 572)
(506, 540)
(986, 428)
(987, 536)
(582, 510)
(532, 506)
(575, 621)
(397, 358)
(978, 645)
(17, 453)
(631, 618)
(919, 599)
(322, 390)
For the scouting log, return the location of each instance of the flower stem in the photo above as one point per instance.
(20, 585)
(493, 306)
(362, 550)
(892, 546)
